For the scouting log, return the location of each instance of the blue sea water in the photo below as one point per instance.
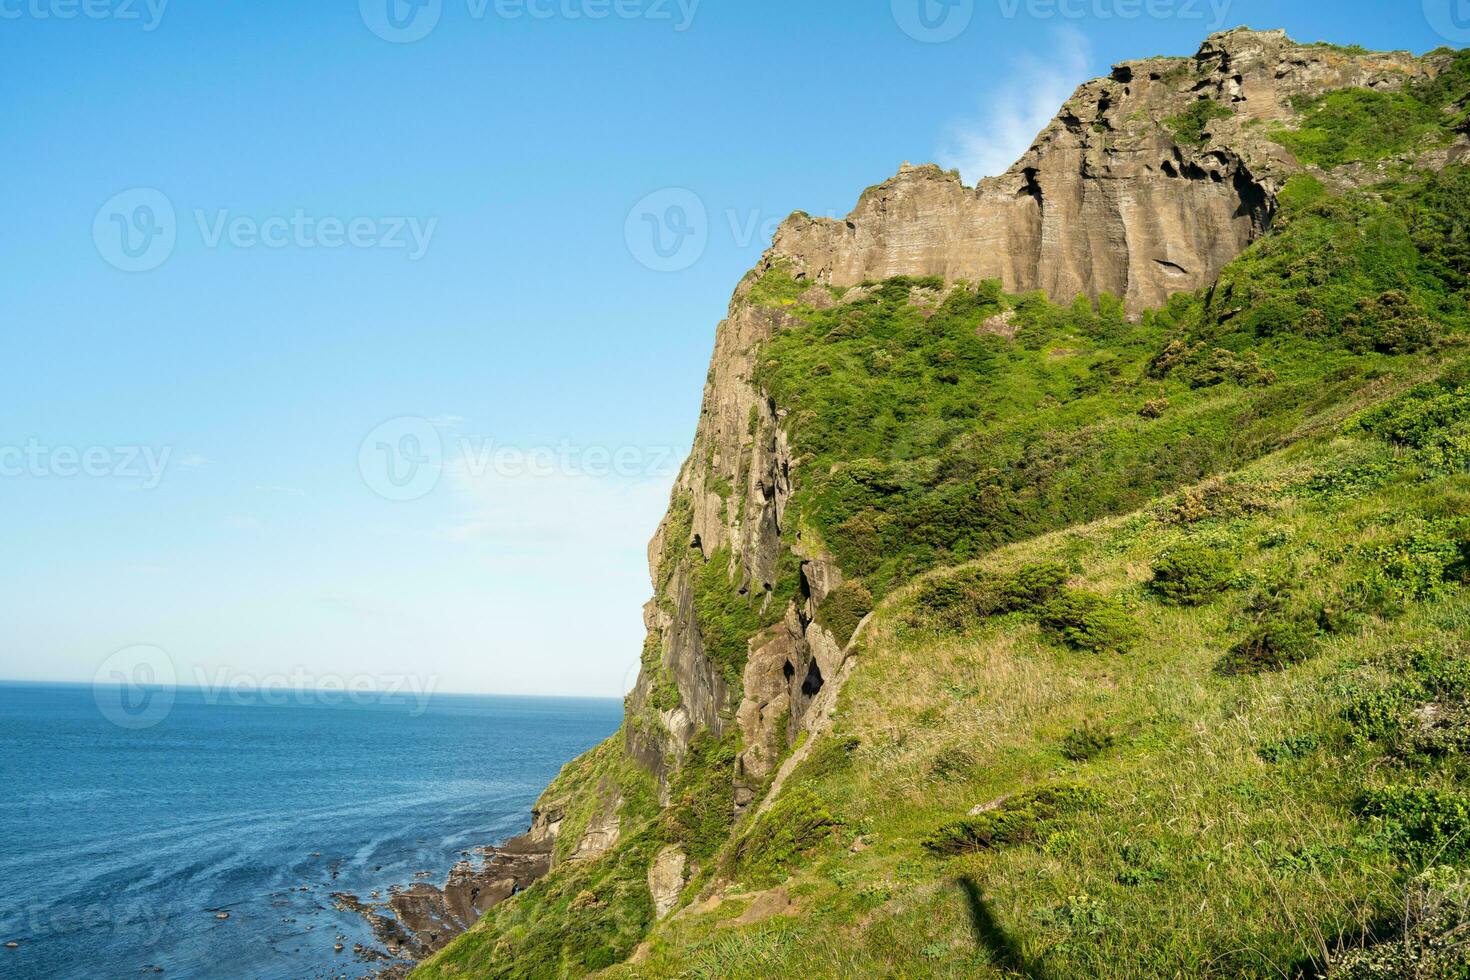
(118, 846)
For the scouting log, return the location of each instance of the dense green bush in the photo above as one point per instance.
(1087, 742)
(1418, 417)
(701, 807)
(1288, 748)
(1090, 622)
(1189, 126)
(1273, 645)
(1379, 715)
(797, 823)
(1017, 820)
(727, 620)
(1191, 574)
(1419, 821)
(1360, 124)
(1420, 567)
(1390, 323)
(845, 608)
(961, 598)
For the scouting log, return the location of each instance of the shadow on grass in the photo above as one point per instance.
(993, 938)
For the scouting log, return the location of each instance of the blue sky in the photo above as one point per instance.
(443, 231)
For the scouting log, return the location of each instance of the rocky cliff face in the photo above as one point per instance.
(1121, 193)
(1107, 200)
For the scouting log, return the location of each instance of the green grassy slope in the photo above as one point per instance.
(1247, 766)
(1183, 601)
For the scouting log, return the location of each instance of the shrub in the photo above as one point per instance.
(1090, 622)
(702, 797)
(1420, 822)
(956, 600)
(1273, 645)
(1191, 575)
(1287, 749)
(1428, 942)
(844, 609)
(1390, 323)
(1189, 126)
(1087, 742)
(1154, 408)
(1359, 124)
(1420, 567)
(1415, 419)
(1017, 820)
(1378, 715)
(1079, 915)
(797, 823)
(1444, 731)
(953, 763)
(727, 620)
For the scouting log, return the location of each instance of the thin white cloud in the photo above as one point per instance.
(194, 461)
(288, 491)
(568, 511)
(1016, 112)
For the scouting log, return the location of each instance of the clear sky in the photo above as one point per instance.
(340, 214)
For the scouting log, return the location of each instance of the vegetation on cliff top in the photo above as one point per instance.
(1362, 125)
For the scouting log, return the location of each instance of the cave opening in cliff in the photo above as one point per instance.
(813, 682)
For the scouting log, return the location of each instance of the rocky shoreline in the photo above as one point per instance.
(416, 921)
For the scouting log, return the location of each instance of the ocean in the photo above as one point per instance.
(122, 846)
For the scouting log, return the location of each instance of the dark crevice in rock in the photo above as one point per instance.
(1254, 201)
(1032, 187)
(813, 682)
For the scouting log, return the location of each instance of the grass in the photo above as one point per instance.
(1243, 831)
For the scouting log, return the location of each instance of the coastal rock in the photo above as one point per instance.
(422, 919)
(603, 831)
(666, 880)
(767, 905)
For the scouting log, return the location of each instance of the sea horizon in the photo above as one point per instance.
(212, 841)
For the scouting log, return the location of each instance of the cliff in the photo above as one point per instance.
(862, 424)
